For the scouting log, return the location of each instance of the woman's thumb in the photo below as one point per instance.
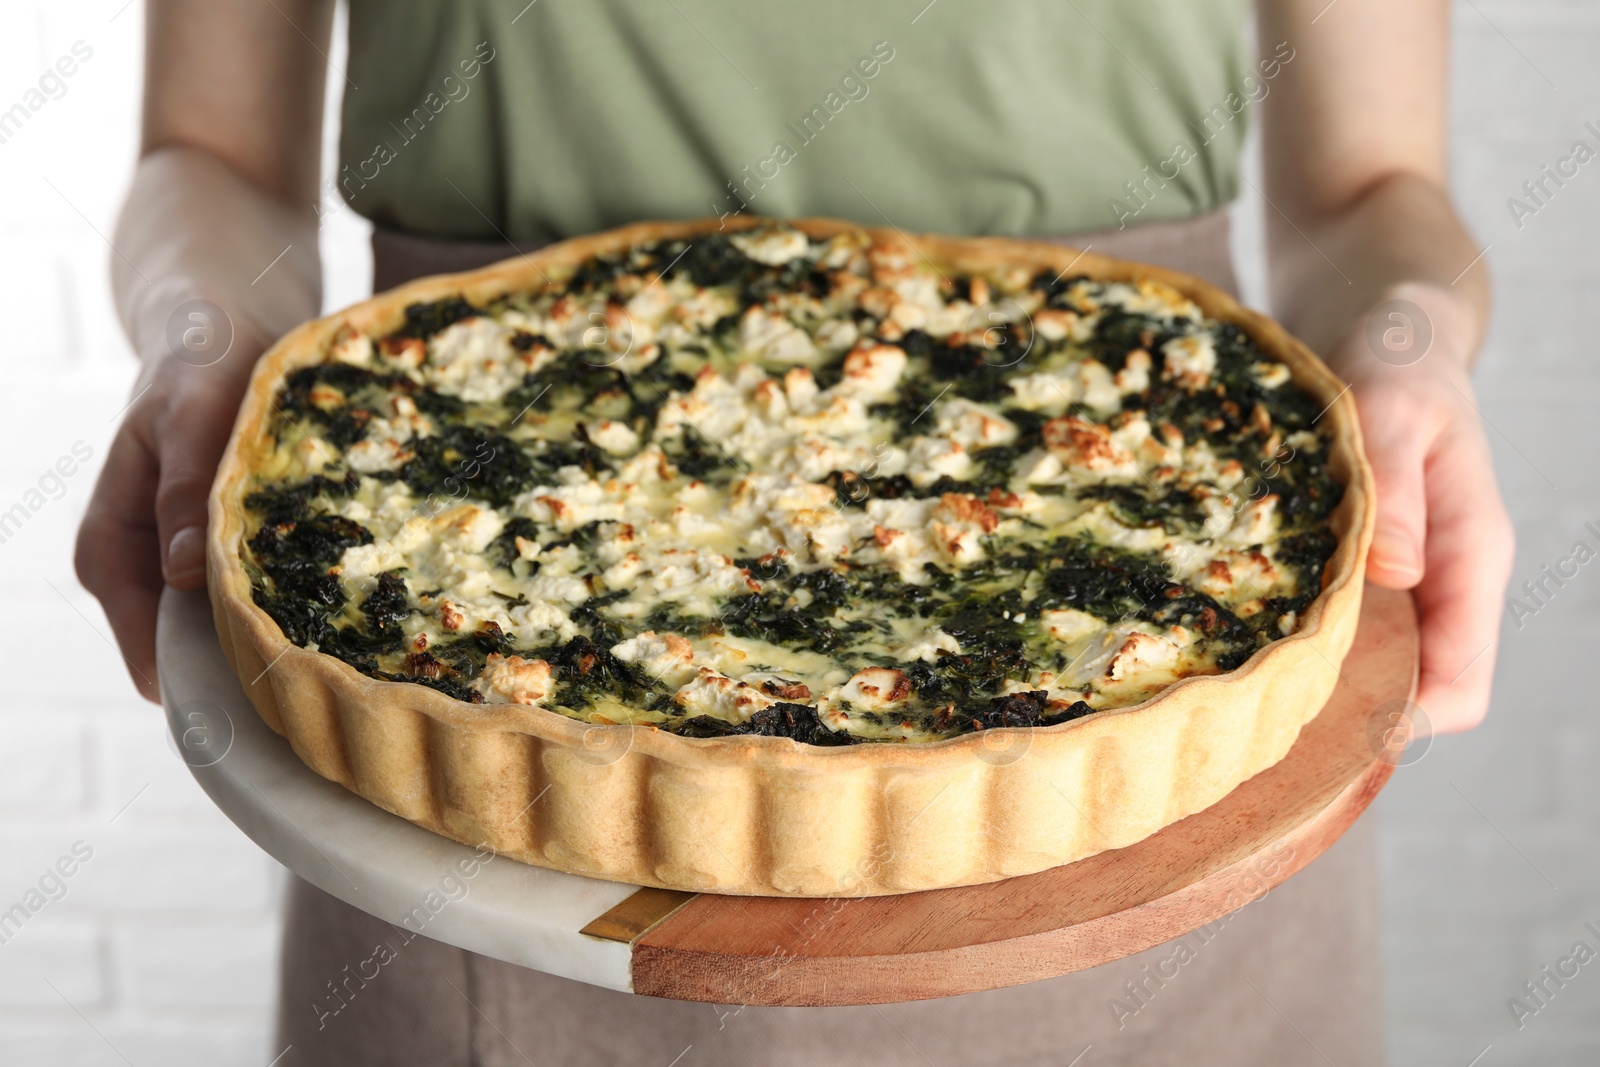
(188, 464)
(1397, 455)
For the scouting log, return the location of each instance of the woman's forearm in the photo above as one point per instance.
(1399, 239)
(192, 229)
(1355, 164)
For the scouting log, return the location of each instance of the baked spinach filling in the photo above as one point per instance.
(484, 452)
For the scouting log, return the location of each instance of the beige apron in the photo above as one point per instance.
(1290, 979)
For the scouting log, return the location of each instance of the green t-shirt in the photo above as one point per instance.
(480, 118)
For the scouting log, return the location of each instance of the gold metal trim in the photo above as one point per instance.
(635, 916)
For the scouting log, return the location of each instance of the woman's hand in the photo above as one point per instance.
(1442, 530)
(223, 268)
(146, 522)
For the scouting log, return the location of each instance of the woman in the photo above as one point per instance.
(473, 127)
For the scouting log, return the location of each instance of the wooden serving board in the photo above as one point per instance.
(773, 951)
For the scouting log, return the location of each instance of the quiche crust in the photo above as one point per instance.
(767, 815)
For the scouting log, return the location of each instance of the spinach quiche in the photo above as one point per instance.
(792, 557)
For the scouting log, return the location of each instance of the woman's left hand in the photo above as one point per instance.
(1442, 529)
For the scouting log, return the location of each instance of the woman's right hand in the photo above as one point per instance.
(146, 522)
(210, 270)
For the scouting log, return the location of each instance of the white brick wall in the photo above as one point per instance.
(1469, 912)
(162, 949)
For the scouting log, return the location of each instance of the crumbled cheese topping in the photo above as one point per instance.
(650, 495)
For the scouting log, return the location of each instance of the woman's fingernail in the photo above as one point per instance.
(1394, 552)
(186, 554)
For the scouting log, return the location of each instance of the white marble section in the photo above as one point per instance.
(353, 849)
